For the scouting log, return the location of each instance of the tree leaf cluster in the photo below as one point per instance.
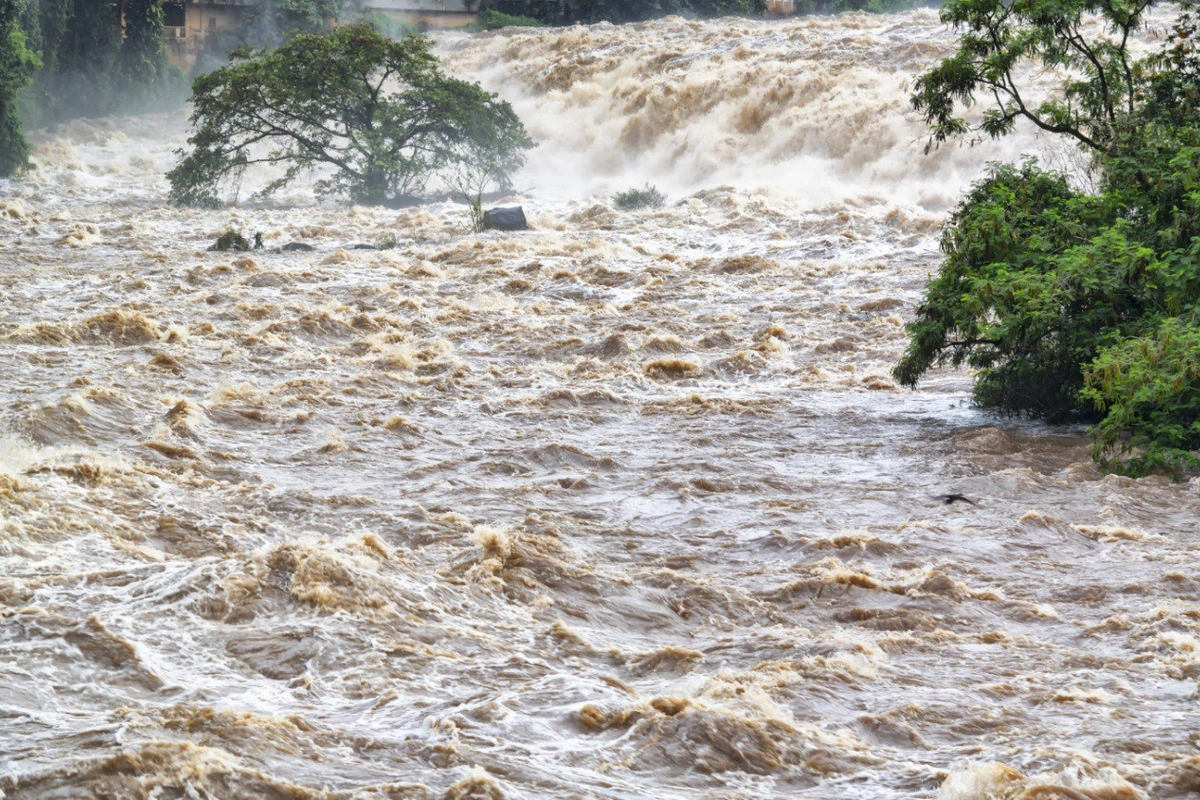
(1068, 303)
(378, 114)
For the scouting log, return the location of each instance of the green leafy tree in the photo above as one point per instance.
(143, 60)
(17, 65)
(1068, 303)
(379, 112)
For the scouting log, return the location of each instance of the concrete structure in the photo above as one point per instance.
(196, 29)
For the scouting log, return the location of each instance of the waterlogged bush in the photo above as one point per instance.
(1073, 304)
(636, 199)
(233, 240)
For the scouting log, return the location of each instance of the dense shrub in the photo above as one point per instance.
(634, 199)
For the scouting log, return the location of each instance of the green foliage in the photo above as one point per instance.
(1150, 388)
(999, 40)
(1033, 270)
(143, 62)
(379, 112)
(17, 65)
(475, 212)
(79, 42)
(233, 240)
(635, 199)
(1072, 304)
(490, 20)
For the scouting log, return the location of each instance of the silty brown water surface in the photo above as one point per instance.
(626, 506)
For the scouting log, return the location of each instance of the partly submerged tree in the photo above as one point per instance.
(379, 113)
(1069, 303)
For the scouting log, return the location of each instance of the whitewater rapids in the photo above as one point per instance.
(625, 506)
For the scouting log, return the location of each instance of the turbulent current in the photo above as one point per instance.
(624, 506)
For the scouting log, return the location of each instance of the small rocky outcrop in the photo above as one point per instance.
(511, 218)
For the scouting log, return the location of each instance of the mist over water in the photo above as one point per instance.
(626, 506)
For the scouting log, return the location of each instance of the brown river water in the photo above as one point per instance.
(625, 506)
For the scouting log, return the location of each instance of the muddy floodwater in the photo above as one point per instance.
(623, 506)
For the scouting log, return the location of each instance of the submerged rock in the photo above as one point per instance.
(511, 218)
(297, 247)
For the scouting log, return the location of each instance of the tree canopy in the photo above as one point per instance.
(379, 113)
(1069, 303)
(999, 40)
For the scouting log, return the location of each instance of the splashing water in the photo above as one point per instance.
(624, 506)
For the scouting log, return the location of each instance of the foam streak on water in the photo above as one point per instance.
(626, 506)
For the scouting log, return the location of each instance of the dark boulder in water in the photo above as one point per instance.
(511, 218)
(297, 247)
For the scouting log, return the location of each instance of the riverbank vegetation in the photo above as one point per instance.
(1074, 303)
